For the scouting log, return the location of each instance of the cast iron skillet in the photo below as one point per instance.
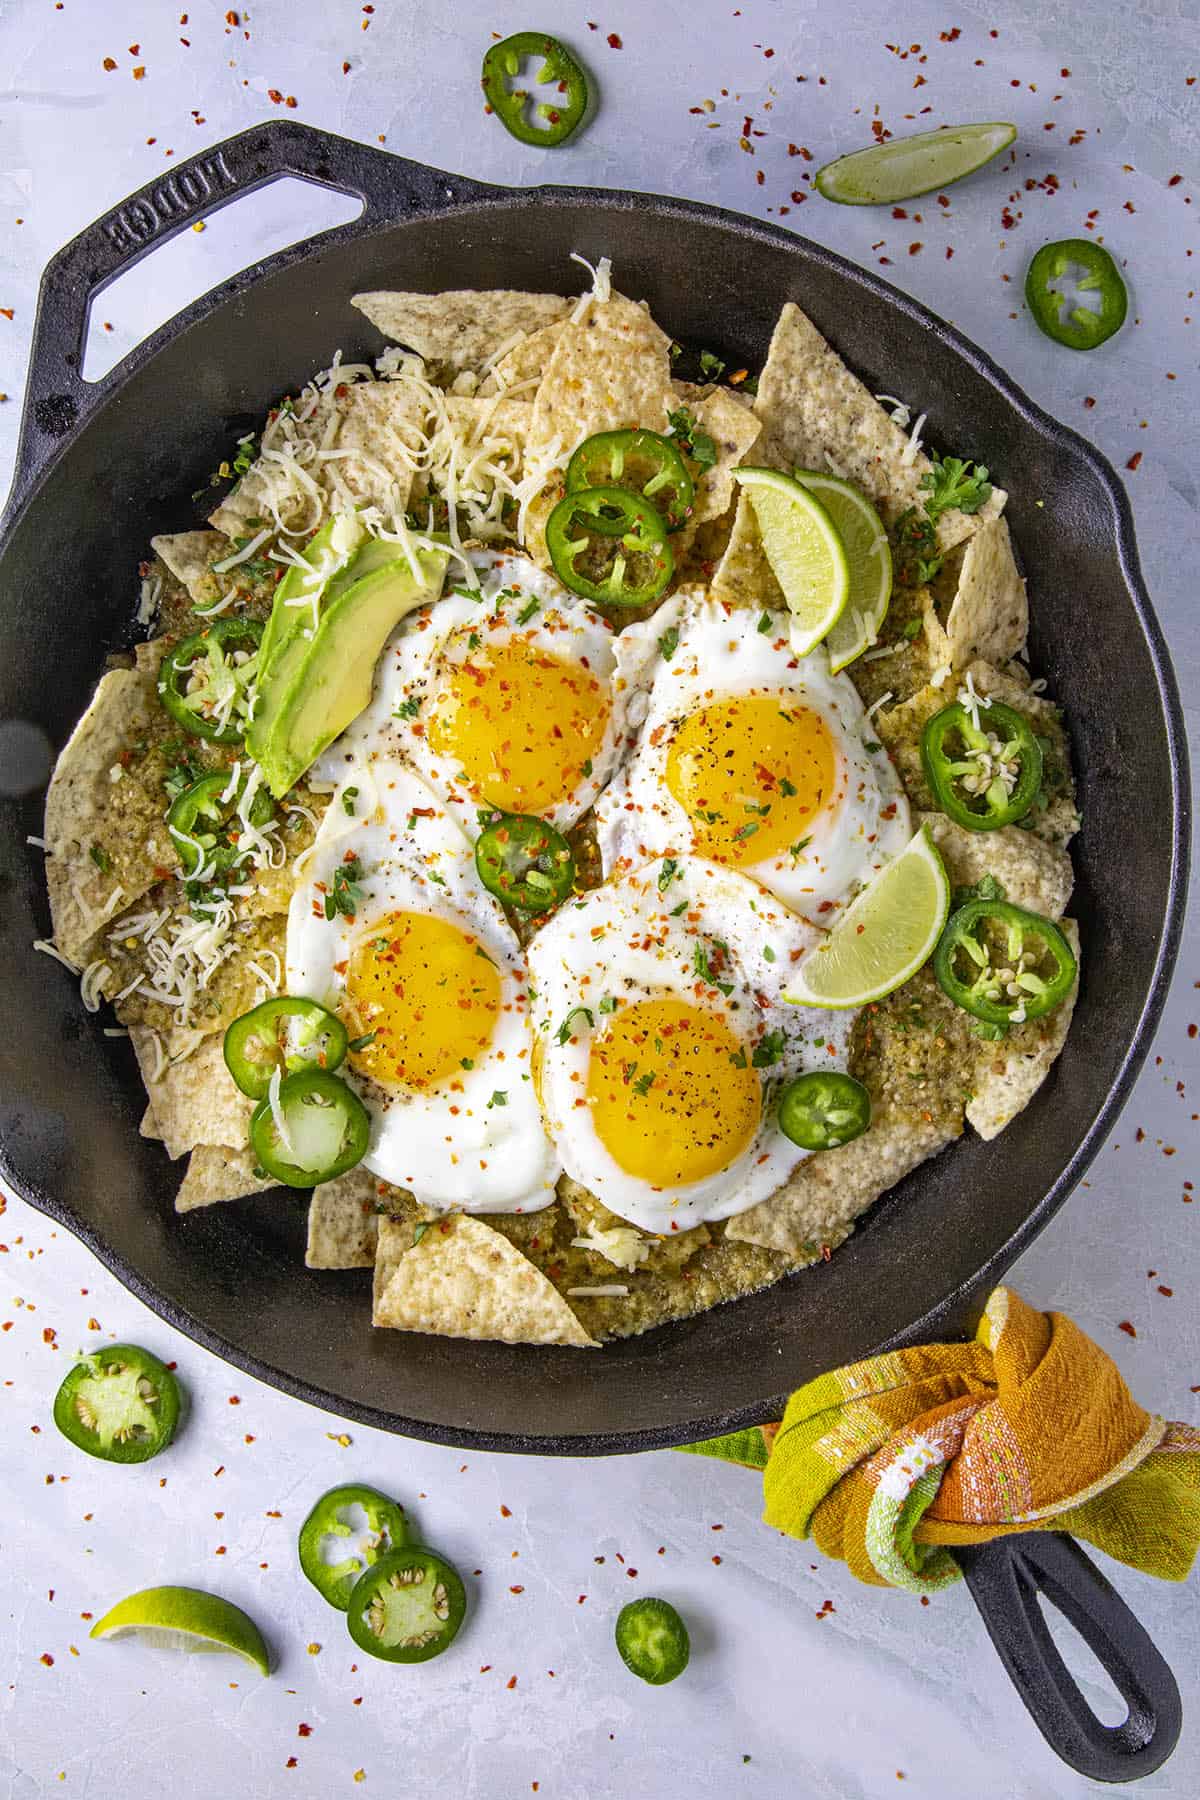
(101, 467)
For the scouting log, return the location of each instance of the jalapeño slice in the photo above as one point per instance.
(1002, 964)
(120, 1404)
(653, 1640)
(823, 1109)
(525, 862)
(287, 1034)
(326, 1130)
(531, 120)
(203, 683)
(199, 817)
(407, 1607)
(982, 775)
(641, 461)
(387, 1530)
(610, 545)
(1064, 316)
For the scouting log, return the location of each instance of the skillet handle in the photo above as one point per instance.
(57, 398)
(1005, 1578)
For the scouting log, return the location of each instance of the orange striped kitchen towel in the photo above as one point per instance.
(888, 1462)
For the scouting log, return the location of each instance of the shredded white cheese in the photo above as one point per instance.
(912, 449)
(244, 554)
(613, 1290)
(620, 1244)
(600, 290)
(899, 412)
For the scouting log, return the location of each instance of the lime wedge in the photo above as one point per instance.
(870, 561)
(908, 167)
(804, 550)
(883, 937)
(180, 1618)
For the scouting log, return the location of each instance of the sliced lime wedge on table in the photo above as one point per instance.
(804, 550)
(181, 1618)
(883, 937)
(870, 561)
(906, 168)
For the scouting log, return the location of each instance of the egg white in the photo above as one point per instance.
(515, 599)
(695, 651)
(635, 939)
(414, 857)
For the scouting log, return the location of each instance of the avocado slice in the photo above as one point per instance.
(327, 557)
(333, 671)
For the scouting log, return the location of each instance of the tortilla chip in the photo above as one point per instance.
(817, 415)
(828, 1191)
(609, 371)
(189, 555)
(379, 419)
(1033, 874)
(343, 1219)
(900, 727)
(462, 328)
(733, 428)
(193, 1096)
(95, 824)
(246, 975)
(217, 1172)
(523, 366)
(148, 1128)
(1010, 1073)
(148, 657)
(462, 1279)
(988, 615)
(744, 577)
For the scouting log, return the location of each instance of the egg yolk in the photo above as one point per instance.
(521, 722)
(428, 992)
(752, 773)
(672, 1092)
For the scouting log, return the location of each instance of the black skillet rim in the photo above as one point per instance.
(465, 194)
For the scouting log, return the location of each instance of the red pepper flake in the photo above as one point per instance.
(505, 1512)
(915, 249)
(48, 1335)
(512, 1680)
(291, 100)
(632, 1574)
(827, 1607)
(950, 37)
(345, 68)
(717, 1561)
(1168, 1292)
(47, 1659)
(234, 1400)
(304, 1731)
(220, 1550)
(7, 311)
(109, 65)
(1134, 460)
(1127, 1328)
(924, 1599)
(290, 1763)
(274, 95)
(949, 252)
(516, 1590)
(1089, 401)
(139, 74)
(614, 42)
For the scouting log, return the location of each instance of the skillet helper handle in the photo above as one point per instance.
(57, 397)
(1005, 1578)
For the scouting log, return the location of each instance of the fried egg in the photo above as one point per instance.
(424, 970)
(663, 1040)
(502, 698)
(750, 757)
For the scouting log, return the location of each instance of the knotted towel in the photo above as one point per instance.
(1029, 1427)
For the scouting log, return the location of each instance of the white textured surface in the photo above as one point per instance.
(838, 1706)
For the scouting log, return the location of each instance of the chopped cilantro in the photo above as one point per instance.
(499, 1098)
(643, 1084)
(768, 953)
(952, 487)
(608, 1004)
(668, 644)
(986, 888)
(101, 858)
(349, 796)
(711, 366)
(787, 788)
(769, 1049)
(587, 766)
(468, 1062)
(360, 1043)
(802, 845)
(764, 622)
(346, 892)
(696, 442)
(563, 1034)
(407, 709)
(419, 1230)
(912, 630)
(746, 831)
(870, 745)
(703, 968)
(527, 611)
(677, 910)
(667, 874)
